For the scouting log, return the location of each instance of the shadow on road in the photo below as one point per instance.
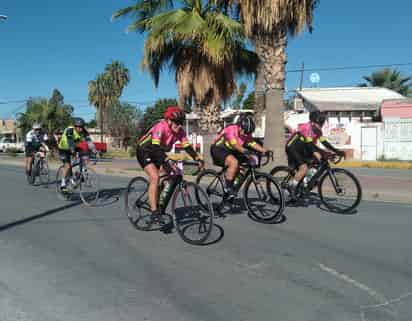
(38, 216)
(109, 196)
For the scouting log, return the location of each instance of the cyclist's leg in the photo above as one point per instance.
(65, 157)
(296, 159)
(151, 161)
(29, 158)
(224, 158)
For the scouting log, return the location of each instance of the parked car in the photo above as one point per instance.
(10, 144)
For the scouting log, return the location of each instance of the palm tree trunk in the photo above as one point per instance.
(209, 125)
(259, 94)
(273, 57)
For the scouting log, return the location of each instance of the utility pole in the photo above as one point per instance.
(301, 76)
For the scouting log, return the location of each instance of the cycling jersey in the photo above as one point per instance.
(36, 139)
(231, 136)
(71, 138)
(162, 135)
(306, 134)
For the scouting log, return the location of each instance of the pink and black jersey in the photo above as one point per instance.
(306, 134)
(162, 135)
(231, 136)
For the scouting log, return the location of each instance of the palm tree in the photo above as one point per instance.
(268, 23)
(102, 94)
(391, 79)
(119, 75)
(201, 45)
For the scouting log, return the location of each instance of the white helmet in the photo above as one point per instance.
(36, 126)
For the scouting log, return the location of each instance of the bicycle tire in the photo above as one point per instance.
(44, 172)
(138, 213)
(322, 190)
(282, 174)
(60, 194)
(216, 190)
(274, 192)
(190, 217)
(89, 198)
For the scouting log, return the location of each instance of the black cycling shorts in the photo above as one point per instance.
(29, 149)
(299, 153)
(219, 154)
(65, 156)
(150, 155)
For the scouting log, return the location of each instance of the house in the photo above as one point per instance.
(9, 129)
(353, 117)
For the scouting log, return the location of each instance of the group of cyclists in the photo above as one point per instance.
(231, 146)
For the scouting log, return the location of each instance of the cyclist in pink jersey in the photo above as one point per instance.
(153, 145)
(302, 147)
(230, 147)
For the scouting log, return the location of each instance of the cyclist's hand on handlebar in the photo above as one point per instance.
(269, 154)
(341, 153)
(201, 164)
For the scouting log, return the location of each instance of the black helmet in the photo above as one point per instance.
(78, 122)
(317, 117)
(246, 123)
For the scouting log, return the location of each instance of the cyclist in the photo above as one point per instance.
(153, 145)
(36, 140)
(70, 142)
(302, 147)
(232, 147)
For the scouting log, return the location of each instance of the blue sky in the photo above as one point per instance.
(48, 44)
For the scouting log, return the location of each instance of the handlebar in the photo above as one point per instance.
(333, 158)
(176, 163)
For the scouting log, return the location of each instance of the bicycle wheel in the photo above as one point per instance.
(65, 196)
(214, 189)
(263, 198)
(43, 172)
(340, 191)
(89, 186)
(282, 175)
(194, 222)
(136, 204)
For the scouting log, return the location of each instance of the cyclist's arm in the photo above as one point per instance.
(257, 147)
(234, 141)
(330, 146)
(70, 138)
(188, 147)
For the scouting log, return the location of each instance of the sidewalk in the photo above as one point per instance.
(377, 185)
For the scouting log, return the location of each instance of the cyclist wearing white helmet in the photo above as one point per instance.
(35, 140)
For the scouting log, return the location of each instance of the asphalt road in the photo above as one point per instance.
(63, 261)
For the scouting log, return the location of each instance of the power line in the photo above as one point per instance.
(351, 67)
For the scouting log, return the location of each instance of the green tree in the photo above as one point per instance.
(52, 113)
(154, 113)
(391, 79)
(124, 122)
(105, 91)
(268, 23)
(249, 102)
(203, 46)
(240, 93)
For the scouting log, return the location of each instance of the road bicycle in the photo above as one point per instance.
(262, 195)
(193, 222)
(39, 168)
(339, 190)
(81, 177)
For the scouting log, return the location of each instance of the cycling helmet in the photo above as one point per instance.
(78, 122)
(36, 126)
(175, 114)
(246, 123)
(317, 117)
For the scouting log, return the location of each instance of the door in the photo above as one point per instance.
(368, 143)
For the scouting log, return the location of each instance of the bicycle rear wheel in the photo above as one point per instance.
(214, 189)
(282, 175)
(263, 198)
(136, 205)
(89, 186)
(43, 172)
(193, 213)
(340, 191)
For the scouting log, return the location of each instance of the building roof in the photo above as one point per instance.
(346, 98)
(397, 108)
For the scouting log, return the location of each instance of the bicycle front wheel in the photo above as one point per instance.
(283, 175)
(263, 198)
(89, 186)
(44, 172)
(340, 191)
(193, 213)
